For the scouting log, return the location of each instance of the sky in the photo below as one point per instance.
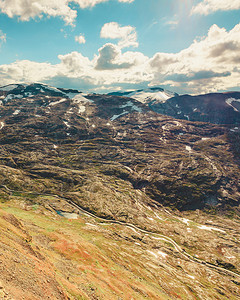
(185, 46)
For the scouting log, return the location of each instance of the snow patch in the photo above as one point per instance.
(114, 117)
(164, 255)
(157, 216)
(66, 123)
(154, 254)
(133, 106)
(204, 227)
(17, 111)
(188, 148)
(151, 95)
(81, 109)
(1, 125)
(79, 98)
(234, 129)
(91, 224)
(12, 96)
(229, 102)
(52, 88)
(57, 102)
(186, 221)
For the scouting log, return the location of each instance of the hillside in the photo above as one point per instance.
(218, 108)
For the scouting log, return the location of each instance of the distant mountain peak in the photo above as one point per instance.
(149, 95)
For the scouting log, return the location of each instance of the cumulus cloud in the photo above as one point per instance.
(26, 71)
(126, 34)
(74, 64)
(161, 61)
(207, 65)
(196, 76)
(110, 58)
(208, 6)
(80, 39)
(28, 9)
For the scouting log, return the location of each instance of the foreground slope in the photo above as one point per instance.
(47, 256)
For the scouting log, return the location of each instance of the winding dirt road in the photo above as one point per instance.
(154, 234)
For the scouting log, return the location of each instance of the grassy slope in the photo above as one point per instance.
(59, 257)
(45, 256)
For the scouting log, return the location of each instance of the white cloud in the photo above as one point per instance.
(207, 65)
(26, 71)
(126, 34)
(74, 64)
(111, 58)
(2, 37)
(208, 6)
(80, 39)
(28, 9)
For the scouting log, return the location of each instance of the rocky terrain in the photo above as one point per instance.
(218, 108)
(118, 200)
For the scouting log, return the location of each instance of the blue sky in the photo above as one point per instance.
(98, 45)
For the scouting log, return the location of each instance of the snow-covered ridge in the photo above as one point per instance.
(8, 88)
(148, 95)
(12, 91)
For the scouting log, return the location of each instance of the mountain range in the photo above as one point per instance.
(161, 170)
